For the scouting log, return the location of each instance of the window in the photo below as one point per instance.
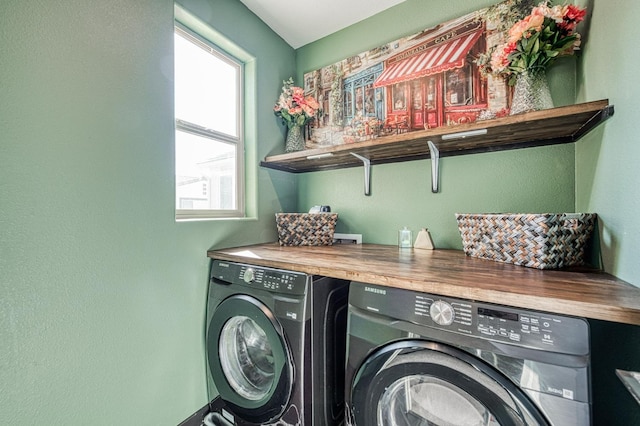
(459, 86)
(361, 99)
(209, 143)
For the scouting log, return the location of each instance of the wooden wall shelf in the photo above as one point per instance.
(548, 127)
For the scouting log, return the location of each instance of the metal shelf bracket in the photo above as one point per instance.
(366, 163)
(435, 162)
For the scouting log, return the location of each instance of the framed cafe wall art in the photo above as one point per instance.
(441, 76)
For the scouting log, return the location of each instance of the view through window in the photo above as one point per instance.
(209, 143)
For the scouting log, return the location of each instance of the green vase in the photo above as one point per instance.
(295, 139)
(531, 92)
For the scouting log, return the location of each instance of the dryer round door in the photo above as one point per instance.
(252, 366)
(422, 383)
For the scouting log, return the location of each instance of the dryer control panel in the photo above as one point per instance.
(270, 279)
(522, 327)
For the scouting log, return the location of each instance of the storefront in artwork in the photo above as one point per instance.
(436, 82)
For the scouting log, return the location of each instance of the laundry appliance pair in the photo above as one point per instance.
(280, 342)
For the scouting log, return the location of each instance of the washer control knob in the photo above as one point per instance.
(442, 312)
(249, 275)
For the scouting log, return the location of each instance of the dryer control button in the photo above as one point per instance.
(249, 275)
(442, 312)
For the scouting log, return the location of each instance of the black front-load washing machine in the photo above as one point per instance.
(420, 359)
(276, 347)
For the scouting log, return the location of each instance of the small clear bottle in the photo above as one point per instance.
(405, 238)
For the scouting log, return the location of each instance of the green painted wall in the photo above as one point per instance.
(102, 293)
(527, 180)
(608, 160)
(524, 180)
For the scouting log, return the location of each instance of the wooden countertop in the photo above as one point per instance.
(589, 294)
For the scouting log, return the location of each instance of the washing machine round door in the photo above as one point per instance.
(422, 383)
(252, 367)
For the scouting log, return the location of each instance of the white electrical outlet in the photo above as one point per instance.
(347, 238)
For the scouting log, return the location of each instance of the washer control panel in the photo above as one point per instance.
(270, 279)
(499, 323)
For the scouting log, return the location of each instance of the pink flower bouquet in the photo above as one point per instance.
(537, 40)
(293, 107)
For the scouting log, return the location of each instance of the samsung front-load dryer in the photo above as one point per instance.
(275, 344)
(422, 359)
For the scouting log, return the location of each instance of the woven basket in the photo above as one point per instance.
(543, 241)
(306, 229)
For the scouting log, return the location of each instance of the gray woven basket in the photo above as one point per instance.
(306, 229)
(543, 241)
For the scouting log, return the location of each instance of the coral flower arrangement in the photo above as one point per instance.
(293, 107)
(536, 41)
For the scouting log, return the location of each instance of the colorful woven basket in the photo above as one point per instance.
(306, 229)
(543, 241)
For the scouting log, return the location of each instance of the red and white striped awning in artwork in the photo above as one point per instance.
(437, 59)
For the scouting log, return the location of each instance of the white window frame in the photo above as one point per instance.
(196, 36)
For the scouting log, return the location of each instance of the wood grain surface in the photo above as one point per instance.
(538, 128)
(585, 293)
